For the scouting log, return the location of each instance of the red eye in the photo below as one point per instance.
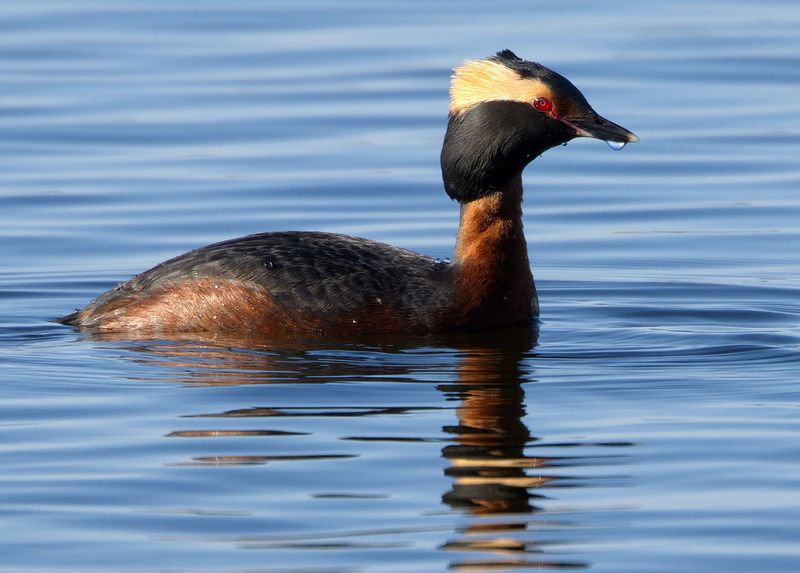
(543, 104)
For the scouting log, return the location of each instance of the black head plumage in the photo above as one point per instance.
(490, 143)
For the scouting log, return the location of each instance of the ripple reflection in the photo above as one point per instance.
(499, 472)
(494, 479)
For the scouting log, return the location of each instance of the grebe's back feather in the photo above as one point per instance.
(309, 273)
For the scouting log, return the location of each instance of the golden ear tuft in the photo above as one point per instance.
(478, 81)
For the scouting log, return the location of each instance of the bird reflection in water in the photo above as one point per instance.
(495, 480)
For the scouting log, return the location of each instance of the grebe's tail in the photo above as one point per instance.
(73, 319)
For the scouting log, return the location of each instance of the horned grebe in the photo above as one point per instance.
(504, 112)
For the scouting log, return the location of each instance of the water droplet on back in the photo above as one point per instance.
(616, 145)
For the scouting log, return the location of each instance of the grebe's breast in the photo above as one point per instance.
(278, 282)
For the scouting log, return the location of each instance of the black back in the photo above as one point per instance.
(308, 272)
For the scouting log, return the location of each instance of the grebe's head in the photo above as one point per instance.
(505, 112)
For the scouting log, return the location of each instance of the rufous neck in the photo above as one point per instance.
(492, 225)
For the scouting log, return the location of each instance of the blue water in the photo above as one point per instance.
(652, 423)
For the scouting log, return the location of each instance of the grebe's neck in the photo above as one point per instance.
(493, 276)
(492, 222)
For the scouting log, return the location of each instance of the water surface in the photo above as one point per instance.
(649, 423)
